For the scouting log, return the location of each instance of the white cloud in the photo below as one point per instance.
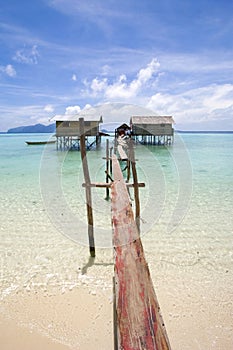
(27, 55)
(116, 112)
(219, 96)
(73, 110)
(8, 70)
(93, 9)
(201, 105)
(145, 74)
(40, 120)
(74, 77)
(98, 86)
(121, 88)
(70, 110)
(87, 107)
(106, 69)
(48, 108)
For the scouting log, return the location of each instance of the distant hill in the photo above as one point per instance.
(37, 128)
(204, 131)
(106, 130)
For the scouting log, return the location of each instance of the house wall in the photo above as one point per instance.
(71, 128)
(153, 129)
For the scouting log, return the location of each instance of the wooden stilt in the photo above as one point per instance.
(135, 182)
(128, 170)
(111, 148)
(87, 188)
(107, 168)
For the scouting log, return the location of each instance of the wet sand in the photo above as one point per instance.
(82, 318)
(15, 337)
(74, 320)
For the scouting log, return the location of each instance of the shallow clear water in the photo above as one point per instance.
(186, 224)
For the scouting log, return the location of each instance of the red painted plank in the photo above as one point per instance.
(139, 323)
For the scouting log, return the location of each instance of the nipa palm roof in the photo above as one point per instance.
(75, 117)
(152, 120)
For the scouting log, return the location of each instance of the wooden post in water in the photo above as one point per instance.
(111, 148)
(87, 188)
(139, 322)
(128, 170)
(135, 181)
(107, 168)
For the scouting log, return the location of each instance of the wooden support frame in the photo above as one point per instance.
(135, 181)
(138, 323)
(122, 153)
(109, 184)
(107, 168)
(88, 184)
(88, 189)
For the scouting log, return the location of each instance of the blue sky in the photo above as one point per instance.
(173, 57)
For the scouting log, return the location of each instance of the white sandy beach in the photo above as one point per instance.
(72, 320)
(80, 320)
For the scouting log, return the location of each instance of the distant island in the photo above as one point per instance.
(51, 128)
(106, 130)
(204, 131)
(37, 128)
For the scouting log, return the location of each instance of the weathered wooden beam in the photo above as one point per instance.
(139, 322)
(121, 152)
(107, 168)
(111, 149)
(117, 158)
(108, 184)
(135, 181)
(88, 189)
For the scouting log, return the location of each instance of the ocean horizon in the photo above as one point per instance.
(175, 130)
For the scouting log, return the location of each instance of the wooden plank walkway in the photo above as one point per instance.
(120, 149)
(139, 322)
(122, 154)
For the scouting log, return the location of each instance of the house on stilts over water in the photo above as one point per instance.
(68, 131)
(155, 130)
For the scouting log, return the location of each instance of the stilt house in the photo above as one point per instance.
(68, 130)
(157, 130)
(122, 130)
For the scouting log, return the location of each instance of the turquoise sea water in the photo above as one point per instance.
(186, 224)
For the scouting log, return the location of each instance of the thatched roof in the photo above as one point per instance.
(75, 117)
(152, 120)
(123, 126)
